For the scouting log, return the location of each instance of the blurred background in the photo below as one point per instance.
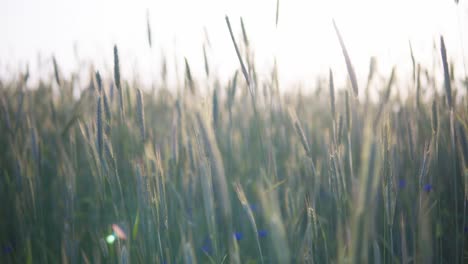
(103, 160)
(304, 42)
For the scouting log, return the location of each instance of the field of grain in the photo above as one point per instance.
(238, 172)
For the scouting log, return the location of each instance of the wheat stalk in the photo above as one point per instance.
(141, 115)
(244, 70)
(447, 85)
(56, 71)
(117, 82)
(349, 66)
(148, 28)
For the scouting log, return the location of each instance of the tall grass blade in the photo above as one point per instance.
(244, 70)
(349, 66)
(447, 83)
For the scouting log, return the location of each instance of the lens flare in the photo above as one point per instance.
(110, 239)
(119, 232)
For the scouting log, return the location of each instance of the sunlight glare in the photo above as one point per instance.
(304, 43)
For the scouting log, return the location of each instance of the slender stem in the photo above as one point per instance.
(454, 167)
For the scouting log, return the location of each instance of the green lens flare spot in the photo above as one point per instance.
(110, 239)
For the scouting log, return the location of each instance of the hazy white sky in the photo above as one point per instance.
(304, 42)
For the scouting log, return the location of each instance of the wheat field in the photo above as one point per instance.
(242, 171)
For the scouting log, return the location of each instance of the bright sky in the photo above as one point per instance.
(304, 42)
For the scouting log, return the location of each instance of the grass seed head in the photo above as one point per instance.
(116, 68)
(56, 71)
(349, 65)
(148, 28)
(207, 66)
(448, 89)
(188, 76)
(244, 69)
(244, 33)
(99, 81)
